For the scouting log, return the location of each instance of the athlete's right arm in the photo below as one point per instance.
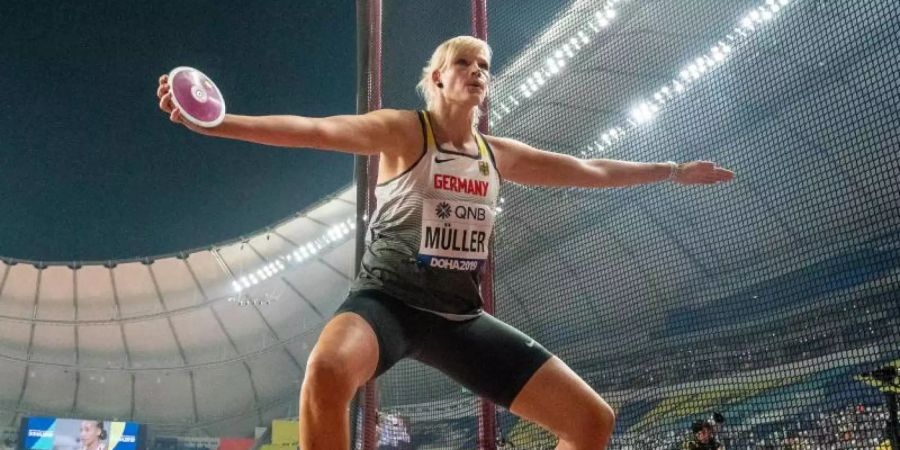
(365, 134)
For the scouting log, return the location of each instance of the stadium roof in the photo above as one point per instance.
(171, 341)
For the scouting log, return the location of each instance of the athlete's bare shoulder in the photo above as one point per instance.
(395, 118)
(404, 131)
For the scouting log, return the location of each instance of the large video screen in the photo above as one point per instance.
(53, 433)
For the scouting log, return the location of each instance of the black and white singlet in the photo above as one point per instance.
(428, 239)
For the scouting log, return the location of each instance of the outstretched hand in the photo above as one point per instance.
(701, 172)
(164, 94)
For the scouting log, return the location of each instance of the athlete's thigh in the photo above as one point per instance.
(488, 357)
(561, 401)
(390, 325)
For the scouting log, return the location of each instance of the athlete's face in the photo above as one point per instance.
(465, 77)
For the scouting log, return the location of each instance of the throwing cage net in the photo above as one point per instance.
(772, 302)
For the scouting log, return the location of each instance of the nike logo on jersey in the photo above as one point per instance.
(439, 160)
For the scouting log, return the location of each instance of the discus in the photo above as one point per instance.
(196, 96)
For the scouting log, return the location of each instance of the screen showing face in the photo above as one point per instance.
(51, 433)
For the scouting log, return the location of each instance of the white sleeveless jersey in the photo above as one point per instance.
(429, 236)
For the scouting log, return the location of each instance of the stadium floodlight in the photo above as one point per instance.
(699, 67)
(334, 236)
(573, 45)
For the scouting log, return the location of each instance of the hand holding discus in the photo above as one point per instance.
(191, 98)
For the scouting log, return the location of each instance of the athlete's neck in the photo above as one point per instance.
(453, 123)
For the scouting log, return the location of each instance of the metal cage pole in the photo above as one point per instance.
(486, 411)
(368, 98)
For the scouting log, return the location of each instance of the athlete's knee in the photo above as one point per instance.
(594, 426)
(604, 420)
(606, 417)
(330, 375)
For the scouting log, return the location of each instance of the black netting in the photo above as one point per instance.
(769, 300)
(763, 300)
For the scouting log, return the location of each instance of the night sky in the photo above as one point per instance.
(91, 169)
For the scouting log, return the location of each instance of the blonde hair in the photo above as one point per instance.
(442, 57)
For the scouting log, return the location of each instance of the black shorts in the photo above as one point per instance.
(486, 356)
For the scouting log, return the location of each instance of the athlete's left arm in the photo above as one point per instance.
(527, 165)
